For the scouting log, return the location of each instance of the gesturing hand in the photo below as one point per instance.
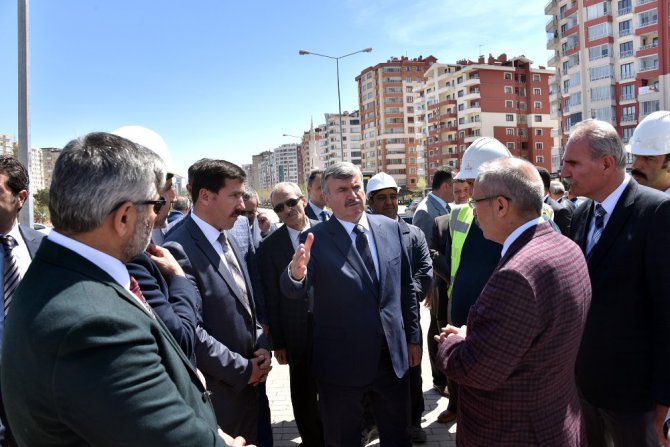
(301, 258)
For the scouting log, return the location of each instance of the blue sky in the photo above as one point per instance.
(223, 79)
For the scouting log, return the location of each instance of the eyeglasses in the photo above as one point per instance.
(158, 204)
(472, 201)
(278, 208)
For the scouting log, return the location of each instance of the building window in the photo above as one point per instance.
(538, 132)
(509, 104)
(408, 89)
(536, 77)
(508, 89)
(508, 75)
(409, 99)
(537, 118)
(510, 146)
(538, 104)
(537, 91)
(509, 117)
(539, 159)
(460, 93)
(410, 109)
(509, 131)
(539, 146)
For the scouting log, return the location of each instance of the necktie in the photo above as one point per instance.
(324, 216)
(599, 220)
(364, 250)
(135, 289)
(235, 271)
(12, 275)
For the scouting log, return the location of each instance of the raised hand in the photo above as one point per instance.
(301, 258)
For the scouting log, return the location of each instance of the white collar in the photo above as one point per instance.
(111, 265)
(516, 233)
(349, 226)
(610, 201)
(439, 200)
(211, 233)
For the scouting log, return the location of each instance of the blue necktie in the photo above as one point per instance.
(324, 216)
(599, 221)
(363, 249)
(12, 275)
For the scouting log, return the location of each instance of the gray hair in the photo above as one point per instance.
(250, 194)
(556, 187)
(286, 186)
(340, 170)
(97, 173)
(181, 203)
(602, 140)
(515, 179)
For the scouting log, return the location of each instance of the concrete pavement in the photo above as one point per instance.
(286, 433)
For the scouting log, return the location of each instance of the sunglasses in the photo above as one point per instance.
(158, 204)
(278, 208)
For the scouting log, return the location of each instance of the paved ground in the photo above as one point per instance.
(286, 433)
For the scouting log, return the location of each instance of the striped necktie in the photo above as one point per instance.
(135, 289)
(12, 275)
(599, 225)
(235, 271)
(324, 216)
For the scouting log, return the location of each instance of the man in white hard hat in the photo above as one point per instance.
(650, 144)
(463, 259)
(382, 192)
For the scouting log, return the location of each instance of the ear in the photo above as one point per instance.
(608, 163)
(123, 219)
(502, 206)
(21, 198)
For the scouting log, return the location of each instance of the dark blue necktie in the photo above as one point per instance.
(364, 250)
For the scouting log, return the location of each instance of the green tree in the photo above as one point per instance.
(41, 206)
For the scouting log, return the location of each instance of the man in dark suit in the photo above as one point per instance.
(562, 216)
(291, 320)
(180, 208)
(623, 364)
(316, 204)
(24, 243)
(366, 326)
(84, 359)
(231, 350)
(382, 192)
(514, 361)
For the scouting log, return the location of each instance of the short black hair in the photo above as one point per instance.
(17, 174)
(312, 176)
(546, 177)
(211, 175)
(442, 176)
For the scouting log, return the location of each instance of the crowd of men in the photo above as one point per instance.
(137, 323)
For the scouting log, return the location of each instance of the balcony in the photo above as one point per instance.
(624, 11)
(643, 2)
(647, 90)
(649, 67)
(648, 46)
(627, 120)
(650, 22)
(627, 98)
(625, 32)
(628, 75)
(625, 54)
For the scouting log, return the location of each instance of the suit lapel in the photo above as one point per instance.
(344, 245)
(206, 248)
(581, 220)
(616, 222)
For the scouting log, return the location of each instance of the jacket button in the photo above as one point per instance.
(205, 396)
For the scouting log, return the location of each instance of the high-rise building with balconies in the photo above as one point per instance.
(388, 99)
(350, 135)
(502, 98)
(612, 61)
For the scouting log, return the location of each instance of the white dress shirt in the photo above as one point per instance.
(609, 204)
(349, 227)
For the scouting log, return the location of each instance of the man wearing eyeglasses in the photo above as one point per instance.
(291, 320)
(85, 361)
(514, 361)
(232, 351)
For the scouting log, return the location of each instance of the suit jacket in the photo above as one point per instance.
(562, 215)
(353, 319)
(229, 335)
(564, 201)
(426, 212)
(623, 362)
(516, 366)
(288, 317)
(309, 211)
(178, 304)
(441, 254)
(84, 364)
(420, 263)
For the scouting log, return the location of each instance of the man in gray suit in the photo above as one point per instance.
(435, 204)
(26, 241)
(231, 349)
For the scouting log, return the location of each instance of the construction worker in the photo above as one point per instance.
(650, 144)
(382, 192)
(462, 191)
(462, 258)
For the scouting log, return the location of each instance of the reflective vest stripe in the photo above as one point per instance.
(460, 222)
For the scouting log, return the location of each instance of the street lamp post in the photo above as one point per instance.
(339, 101)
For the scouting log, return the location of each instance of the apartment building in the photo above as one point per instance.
(388, 98)
(310, 152)
(612, 61)
(6, 144)
(260, 177)
(285, 164)
(496, 97)
(49, 157)
(342, 138)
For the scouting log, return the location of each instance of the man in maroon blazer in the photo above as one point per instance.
(515, 360)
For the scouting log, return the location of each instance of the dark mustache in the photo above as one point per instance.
(638, 173)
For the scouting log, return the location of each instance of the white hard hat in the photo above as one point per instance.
(652, 135)
(482, 150)
(380, 181)
(149, 139)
